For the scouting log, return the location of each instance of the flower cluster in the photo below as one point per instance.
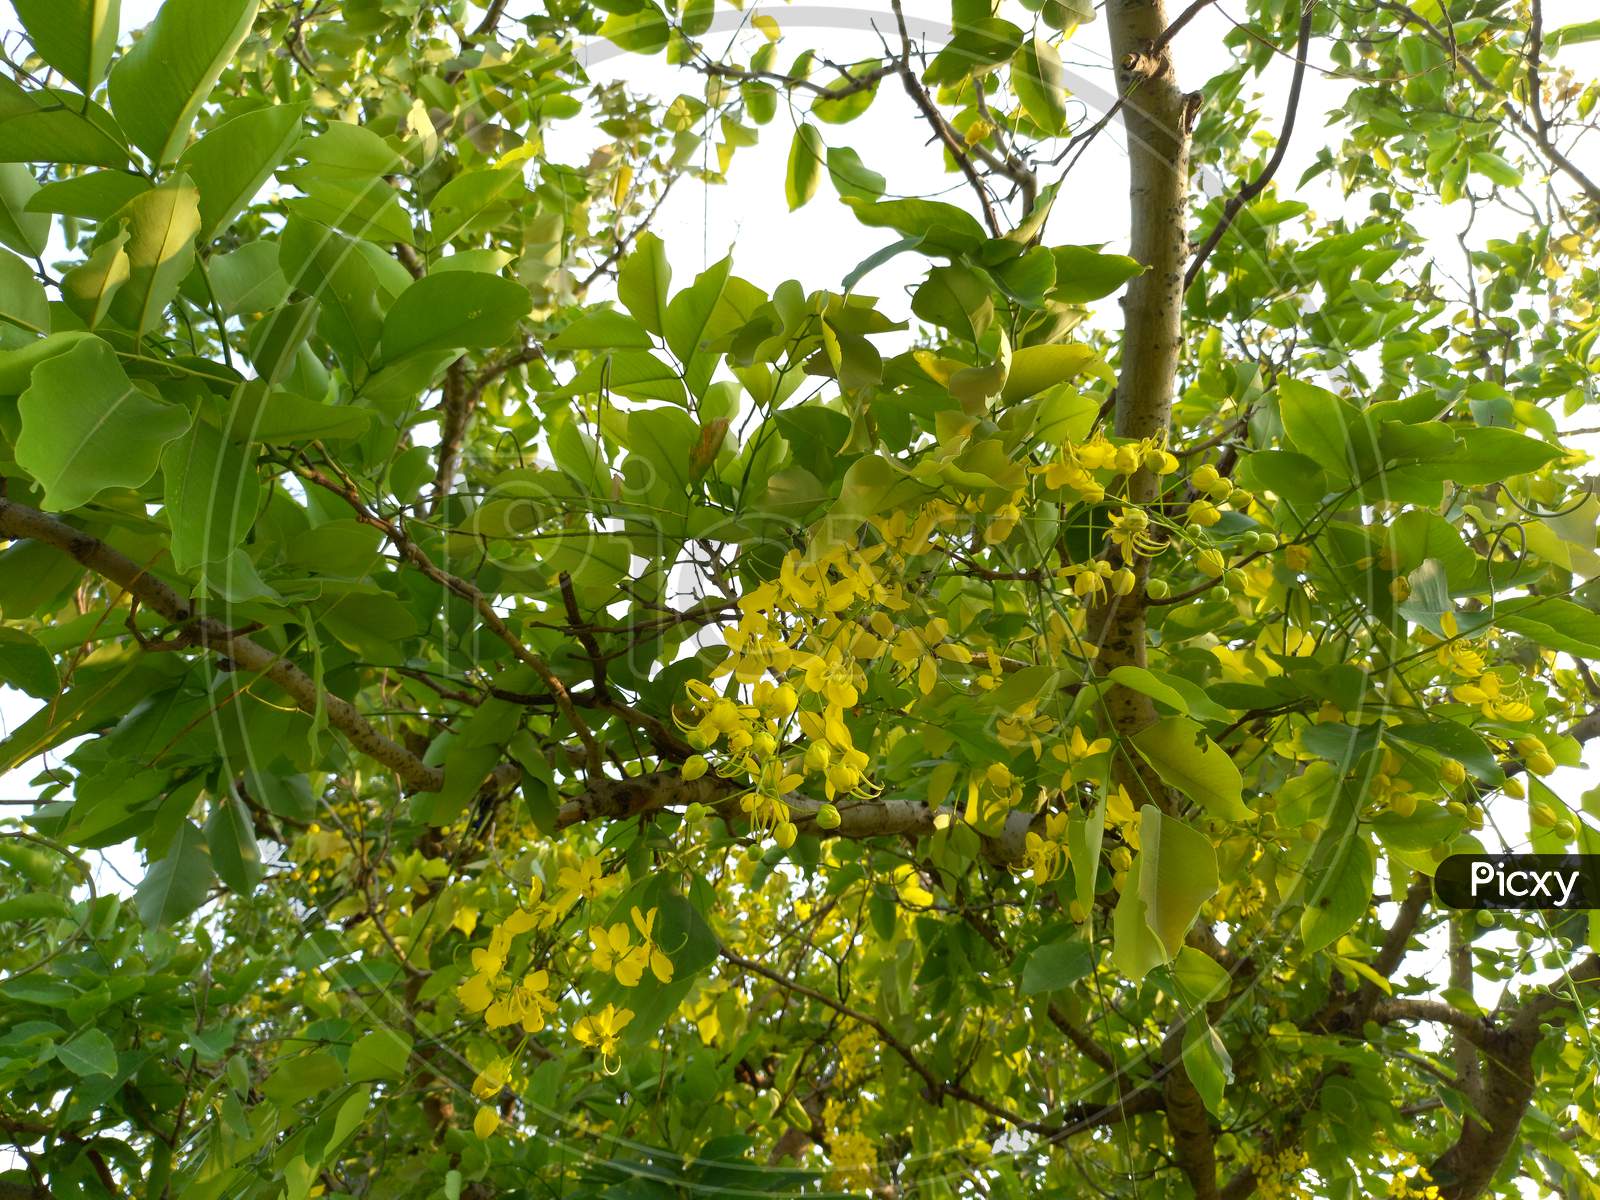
(1090, 468)
(798, 656)
(491, 990)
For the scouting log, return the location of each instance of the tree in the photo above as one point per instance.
(592, 733)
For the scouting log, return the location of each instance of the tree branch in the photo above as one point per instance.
(1255, 187)
(1539, 134)
(19, 522)
(941, 127)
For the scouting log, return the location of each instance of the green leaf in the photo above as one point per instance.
(1494, 167)
(1553, 623)
(1056, 965)
(1084, 274)
(643, 280)
(1295, 477)
(26, 665)
(329, 267)
(280, 418)
(1418, 535)
(234, 161)
(51, 126)
(94, 194)
(1206, 1062)
(22, 297)
(211, 495)
(1453, 741)
(844, 109)
(16, 366)
(76, 37)
(158, 86)
(1491, 454)
(86, 427)
(456, 310)
(380, 1054)
(177, 884)
(852, 177)
(1200, 978)
(90, 1053)
(806, 156)
(1036, 368)
(1139, 679)
(1173, 875)
(979, 42)
(956, 298)
(1332, 431)
(642, 29)
(943, 228)
(295, 1079)
(1572, 35)
(232, 839)
(1178, 876)
(473, 200)
(602, 329)
(1037, 79)
(689, 312)
(24, 229)
(697, 16)
(1189, 761)
(1337, 885)
(246, 280)
(90, 287)
(162, 224)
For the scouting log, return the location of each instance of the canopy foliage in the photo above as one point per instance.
(593, 731)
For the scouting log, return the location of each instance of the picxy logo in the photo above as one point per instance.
(1519, 881)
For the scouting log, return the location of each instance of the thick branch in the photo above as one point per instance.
(1193, 1143)
(1505, 1087)
(18, 522)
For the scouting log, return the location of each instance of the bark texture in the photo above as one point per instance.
(1156, 115)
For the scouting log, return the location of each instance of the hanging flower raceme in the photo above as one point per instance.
(491, 991)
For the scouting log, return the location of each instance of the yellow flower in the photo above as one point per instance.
(1045, 855)
(526, 1003)
(615, 951)
(582, 882)
(491, 959)
(485, 1123)
(492, 1079)
(602, 1030)
(476, 993)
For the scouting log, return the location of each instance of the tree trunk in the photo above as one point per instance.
(1156, 116)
